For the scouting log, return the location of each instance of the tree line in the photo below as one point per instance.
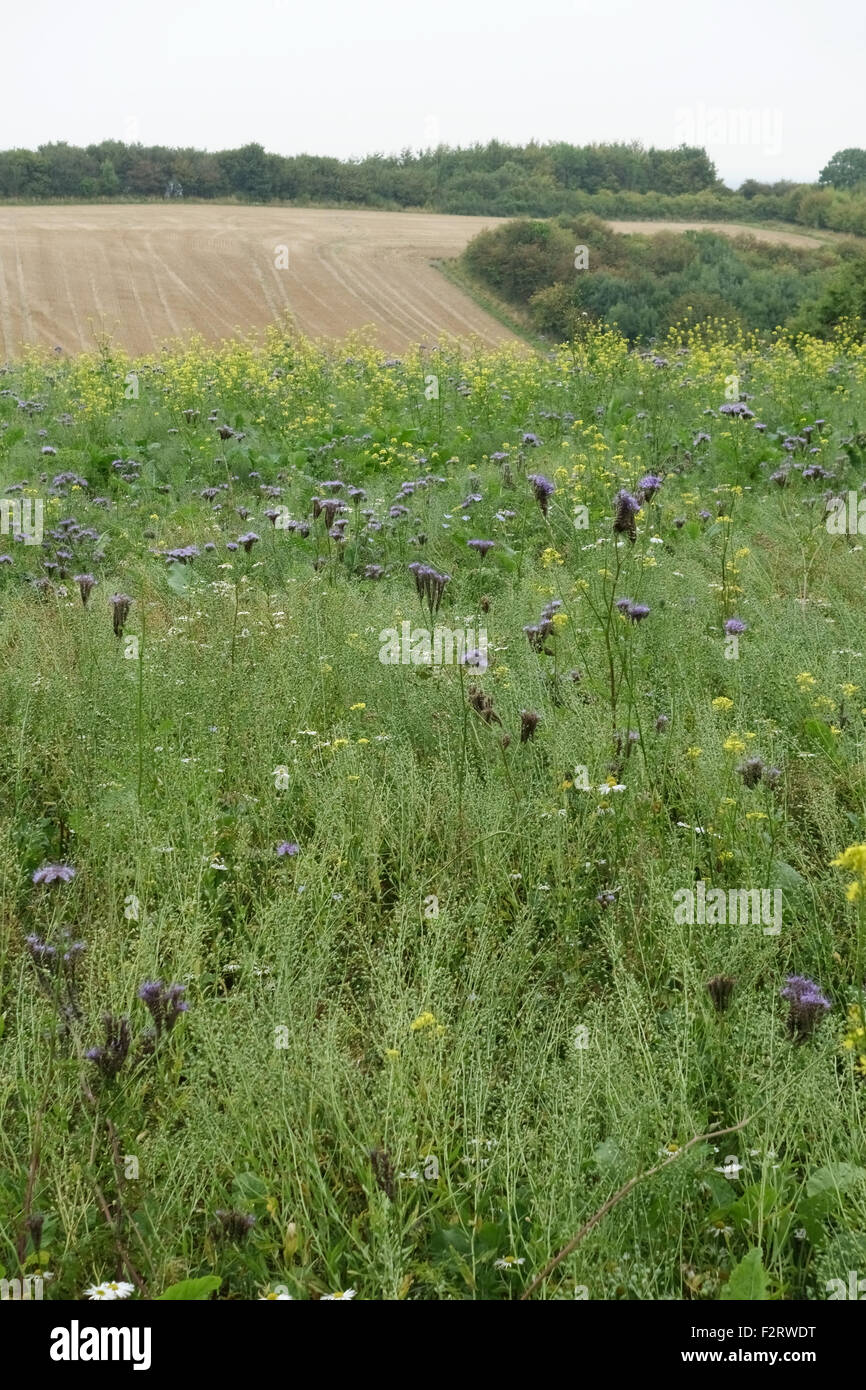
(609, 180)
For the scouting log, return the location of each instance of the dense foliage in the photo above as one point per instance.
(332, 975)
(442, 177)
(647, 284)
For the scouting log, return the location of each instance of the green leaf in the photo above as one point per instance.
(748, 1281)
(784, 875)
(248, 1188)
(178, 578)
(838, 1177)
(192, 1290)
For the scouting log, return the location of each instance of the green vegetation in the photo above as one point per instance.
(646, 284)
(441, 1002)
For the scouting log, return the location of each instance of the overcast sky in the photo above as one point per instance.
(772, 88)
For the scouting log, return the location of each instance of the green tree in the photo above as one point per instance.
(846, 169)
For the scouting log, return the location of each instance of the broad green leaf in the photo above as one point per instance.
(837, 1177)
(748, 1281)
(192, 1290)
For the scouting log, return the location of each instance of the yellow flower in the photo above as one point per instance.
(559, 619)
(734, 744)
(722, 704)
(848, 690)
(805, 681)
(425, 1020)
(694, 752)
(853, 858)
(358, 706)
(392, 1053)
(339, 743)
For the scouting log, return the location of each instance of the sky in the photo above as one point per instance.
(772, 89)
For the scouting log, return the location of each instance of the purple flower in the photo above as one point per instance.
(734, 626)
(807, 1005)
(737, 410)
(111, 1057)
(288, 847)
(164, 1003)
(532, 440)
(481, 546)
(235, 1225)
(543, 489)
(649, 485)
(54, 873)
(625, 507)
(637, 612)
(751, 771)
(248, 540)
(429, 583)
(475, 658)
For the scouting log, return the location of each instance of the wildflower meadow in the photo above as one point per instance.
(433, 831)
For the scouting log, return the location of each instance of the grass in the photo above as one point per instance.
(427, 1048)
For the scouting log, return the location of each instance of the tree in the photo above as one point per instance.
(846, 169)
(109, 183)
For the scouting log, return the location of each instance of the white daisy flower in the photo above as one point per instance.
(731, 1169)
(345, 1293)
(509, 1262)
(109, 1290)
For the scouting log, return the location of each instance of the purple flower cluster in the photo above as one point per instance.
(542, 490)
(429, 583)
(626, 505)
(635, 611)
(807, 1005)
(110, 1057)
(164, 1004)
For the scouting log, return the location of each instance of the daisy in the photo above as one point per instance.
(111, 1289)
(509, 1262)
(273, 1297)
(330, 1297)
(731, 1169)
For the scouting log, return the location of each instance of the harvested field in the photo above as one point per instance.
(771, 234)
(147, 273)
